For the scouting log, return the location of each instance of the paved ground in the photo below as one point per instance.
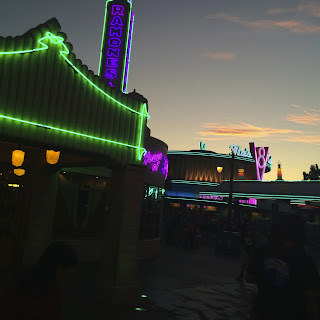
(193, 284)
(179, 284)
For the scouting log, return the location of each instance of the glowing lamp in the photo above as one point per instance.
(52, 156)
(19, 172)
(219, 169)
(17, 158)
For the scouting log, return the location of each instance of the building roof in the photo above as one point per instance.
(49, 98)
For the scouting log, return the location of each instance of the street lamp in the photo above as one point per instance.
(230, 192)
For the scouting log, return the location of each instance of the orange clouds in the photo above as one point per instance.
(219, 55)
(310, 117)
(294, 26)
(312, 9)
(241, 130)
(218, 131)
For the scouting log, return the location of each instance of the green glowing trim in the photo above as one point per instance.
(144, 296)
(200, 183)
(59, 40)
(195, 199)
(262, 196)
(141, 150)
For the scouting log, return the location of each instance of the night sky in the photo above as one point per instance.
(219, 71)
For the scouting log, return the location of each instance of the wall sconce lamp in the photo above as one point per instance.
(219, 169)
(19, 172)
(52, 156)
(17, 158)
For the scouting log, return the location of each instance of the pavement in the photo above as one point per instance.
(179, 284)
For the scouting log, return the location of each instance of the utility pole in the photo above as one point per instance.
(230, 192)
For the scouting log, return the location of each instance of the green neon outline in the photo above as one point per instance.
(141, 150)
(59, 40)
(126, 51)
(200, 183)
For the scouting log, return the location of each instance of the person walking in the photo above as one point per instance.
(36, 294)
(247, 243)
(287, 278)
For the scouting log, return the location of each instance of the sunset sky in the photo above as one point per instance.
(223, 72)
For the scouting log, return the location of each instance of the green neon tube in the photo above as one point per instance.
(141, 150)
(59, 40)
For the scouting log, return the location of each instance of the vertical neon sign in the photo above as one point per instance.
(116, 43)
(261, 157)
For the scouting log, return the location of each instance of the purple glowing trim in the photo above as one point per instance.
(261, 158)
(155, 160)
(126, 72)
(165, 167)
(151, 158)
(250, 201)
(217, 198)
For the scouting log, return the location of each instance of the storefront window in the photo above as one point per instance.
(151, 212)
(81, 202)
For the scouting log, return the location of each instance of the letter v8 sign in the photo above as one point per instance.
(116, 43)
(261, 155)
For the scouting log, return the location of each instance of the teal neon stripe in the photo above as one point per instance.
(200, 183)
(72, 132)
(274, 181)
(261, 196)
(195, 199)
(213, 155)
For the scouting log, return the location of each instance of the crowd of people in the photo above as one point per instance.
(188, 230)
(275, 259)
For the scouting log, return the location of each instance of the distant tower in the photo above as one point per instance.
(279, 172)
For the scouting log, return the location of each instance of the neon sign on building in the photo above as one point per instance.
(116, 43)
(154, 160)
(262, 157)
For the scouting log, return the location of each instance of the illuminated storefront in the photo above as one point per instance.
(80, 176)
(156, 162)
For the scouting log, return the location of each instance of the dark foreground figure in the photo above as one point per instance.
(287, 278)
(35, 296)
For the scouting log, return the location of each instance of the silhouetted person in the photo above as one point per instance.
(288, 280)
(247, 243)
(36, 295)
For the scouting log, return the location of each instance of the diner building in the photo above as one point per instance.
(71, 161)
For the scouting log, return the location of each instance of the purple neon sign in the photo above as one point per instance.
(114, 62)
(261, 157)
(154, 160)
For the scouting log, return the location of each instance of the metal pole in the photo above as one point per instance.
(230, 192)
